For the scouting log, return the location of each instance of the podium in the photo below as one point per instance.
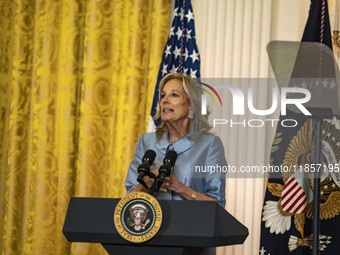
(189, 227)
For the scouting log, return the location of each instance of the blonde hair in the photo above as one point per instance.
(198, 123)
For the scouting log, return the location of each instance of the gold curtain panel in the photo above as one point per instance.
(76, 86)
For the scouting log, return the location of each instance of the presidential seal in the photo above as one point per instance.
(138, 217)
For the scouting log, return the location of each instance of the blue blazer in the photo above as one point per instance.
(200, 164)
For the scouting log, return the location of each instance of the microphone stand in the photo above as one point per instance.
(155, 186)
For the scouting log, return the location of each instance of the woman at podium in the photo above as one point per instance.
(198, 167)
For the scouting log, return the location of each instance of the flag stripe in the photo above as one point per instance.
(292, 198)
(300, 206)
(286, 194)
(297, 201)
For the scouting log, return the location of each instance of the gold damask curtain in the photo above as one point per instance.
(76, 85)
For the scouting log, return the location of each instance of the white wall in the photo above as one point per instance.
(232, 36)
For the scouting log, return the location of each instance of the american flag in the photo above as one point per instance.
(180, 52)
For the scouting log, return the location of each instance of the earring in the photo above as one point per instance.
(190, 116)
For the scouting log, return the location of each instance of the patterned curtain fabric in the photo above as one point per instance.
(76, 85)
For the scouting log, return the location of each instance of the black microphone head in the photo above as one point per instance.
(150, 156)
(144, 168)
(165, 169)
(171, 157)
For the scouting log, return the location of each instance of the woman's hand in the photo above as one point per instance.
(172, 183)
(153, 170)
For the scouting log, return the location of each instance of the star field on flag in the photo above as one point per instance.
(181, 53)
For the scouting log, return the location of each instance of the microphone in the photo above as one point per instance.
(144, 168)
(165, 169)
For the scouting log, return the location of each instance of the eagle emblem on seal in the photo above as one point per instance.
(138, 217)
